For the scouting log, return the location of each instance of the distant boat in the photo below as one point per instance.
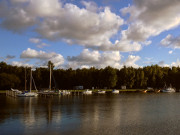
(64, 92)
(101, 92)
(115, 91)
(87, 92)
(168, 89)
(29, 94)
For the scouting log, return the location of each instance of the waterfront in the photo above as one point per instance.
(124, 113)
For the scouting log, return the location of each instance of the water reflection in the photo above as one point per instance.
(93, 114)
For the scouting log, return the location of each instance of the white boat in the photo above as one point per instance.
(115, 91)
(87, 92)
(101, 92)
(64, 92)
(29, 94)
(168, 89)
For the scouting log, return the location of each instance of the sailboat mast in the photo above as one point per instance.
(25, 79)
(30, 80)
(50, 77)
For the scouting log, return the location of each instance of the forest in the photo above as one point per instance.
(150, 76)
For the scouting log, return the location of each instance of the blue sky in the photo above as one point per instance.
(84, 34)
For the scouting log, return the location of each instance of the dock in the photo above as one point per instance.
(11, 93)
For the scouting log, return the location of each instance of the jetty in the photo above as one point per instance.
(11, 93)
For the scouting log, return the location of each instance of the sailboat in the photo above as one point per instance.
(168, 89)
(29, 94)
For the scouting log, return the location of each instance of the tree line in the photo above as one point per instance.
(150, 76)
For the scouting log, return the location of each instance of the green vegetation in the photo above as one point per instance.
(133, 78)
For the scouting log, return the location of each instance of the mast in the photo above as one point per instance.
(30, 80)
(25, 78)
(50, 77)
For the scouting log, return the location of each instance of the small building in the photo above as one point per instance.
(123, 87)
(78, 87)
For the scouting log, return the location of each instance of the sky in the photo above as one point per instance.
(83, 34)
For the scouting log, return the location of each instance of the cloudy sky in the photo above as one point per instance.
(83, 33)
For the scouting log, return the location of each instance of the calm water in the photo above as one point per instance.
(126, 114)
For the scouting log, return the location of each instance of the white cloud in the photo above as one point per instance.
(89, 27)
(15, 18)
(131, 60)
(91, 6)
(38, 42)
(42, 45)
(101, 60)
(95, 59)
(173, 64)
(35, 40)
(151, 17)
(77, 28)
(170, 52)
(170, 41)
(176, 64)
(57, 59)
(44, 8)
(20, 63)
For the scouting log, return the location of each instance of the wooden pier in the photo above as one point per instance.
(11, 93)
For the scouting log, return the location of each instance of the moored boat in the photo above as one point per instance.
(101, 92)
(168, 89)
(29, 93)
(87, 92)
(114, 91)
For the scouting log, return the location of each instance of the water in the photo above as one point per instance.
(126, 114)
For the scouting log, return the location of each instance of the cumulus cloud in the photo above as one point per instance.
(173, 64)
(44, 57)
(91, 6)
(21, 63)
(170, 41)
(95, 59)
(74, 26)
(87, 26)
(15, 17)
(151, 17)
(131, 61)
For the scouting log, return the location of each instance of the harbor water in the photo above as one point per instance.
(109, 114)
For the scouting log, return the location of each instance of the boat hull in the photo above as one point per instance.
(29, 94)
